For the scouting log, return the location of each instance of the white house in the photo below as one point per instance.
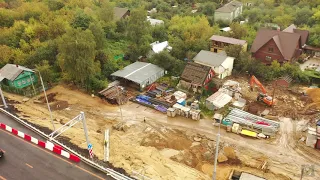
(219, 62)
(154, 22)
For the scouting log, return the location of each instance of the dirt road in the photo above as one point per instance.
(284, 155)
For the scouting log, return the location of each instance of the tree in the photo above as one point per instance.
(167, 62)
(208, 8)
(139, 34)
(237, 31)
(55, 5)
(81, 20)
(302, 16)
(234, 51)
(5, 55)
(106, 12)
(189, 34)
(284, 20)
(6, 17)
(46, 71)
(99, 35)
(76, 55)
(57, 27)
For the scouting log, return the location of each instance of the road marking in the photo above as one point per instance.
(2, 178)
(29, 165)
(89, 172)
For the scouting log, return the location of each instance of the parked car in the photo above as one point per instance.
(1, 153)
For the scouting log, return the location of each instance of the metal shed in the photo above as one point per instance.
(140, 73)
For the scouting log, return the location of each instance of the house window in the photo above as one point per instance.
(270, 49)
(268, 58)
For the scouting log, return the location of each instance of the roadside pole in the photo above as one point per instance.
(216, 155)
(83, 118)
(3, 100)
(45, 95)
(106, 146)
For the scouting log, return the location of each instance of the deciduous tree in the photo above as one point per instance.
(76, 55)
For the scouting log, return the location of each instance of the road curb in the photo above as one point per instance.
(50, 146)
(110, 172)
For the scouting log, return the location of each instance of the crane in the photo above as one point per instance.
(262, 96)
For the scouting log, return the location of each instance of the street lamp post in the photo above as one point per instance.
(45, 95)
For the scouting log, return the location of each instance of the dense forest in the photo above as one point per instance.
(78, 40)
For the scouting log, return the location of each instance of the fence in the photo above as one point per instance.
(28, 91)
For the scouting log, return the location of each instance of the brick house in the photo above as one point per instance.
(283, 46)
(218, 43)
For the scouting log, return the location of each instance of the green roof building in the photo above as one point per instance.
(17, 76)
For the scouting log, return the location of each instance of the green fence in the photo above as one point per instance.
(28, 91)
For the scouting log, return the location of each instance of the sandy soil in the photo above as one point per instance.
(166, 148)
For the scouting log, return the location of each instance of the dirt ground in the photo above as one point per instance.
(170, 148)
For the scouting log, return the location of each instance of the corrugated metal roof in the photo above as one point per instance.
(12, 71)
(228, 40)
(138, 72)
(154, 22)
(209, 58)
(219, 99)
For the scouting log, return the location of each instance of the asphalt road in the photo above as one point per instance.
(24, 160)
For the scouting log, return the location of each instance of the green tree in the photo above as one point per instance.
(57, 27)
(55, 5)
(105, 12)
(237, 31)
(234, 51)
(6, 17)
(46, 71)
(284, 20)
(81, 20)
(167, 62)
(99, 35)
(302, 16)
(139, 34)
(76, 55)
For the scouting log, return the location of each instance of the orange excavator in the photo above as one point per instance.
(262, 96)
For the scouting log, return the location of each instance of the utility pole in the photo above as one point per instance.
(216, 155)
(3, 100)
(119, 102)
(45, 95)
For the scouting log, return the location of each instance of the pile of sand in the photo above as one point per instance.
(148, 161)
(314, 94)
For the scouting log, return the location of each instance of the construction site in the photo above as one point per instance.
(267, 138)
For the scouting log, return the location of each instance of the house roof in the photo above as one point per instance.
(230, 7)
(228, 40)
(12, 71)
(154, 22)
(119, 12)
(219, 99)
(158, 47)
(285, 41)
(290, 28)
(210, 58)
(138, 72)
(195, 73)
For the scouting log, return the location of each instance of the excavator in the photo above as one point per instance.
(262, 96)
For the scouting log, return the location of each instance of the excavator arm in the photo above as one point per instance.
(254, 81)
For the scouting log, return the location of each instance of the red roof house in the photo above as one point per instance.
(283, 46)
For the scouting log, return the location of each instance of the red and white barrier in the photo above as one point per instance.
(47, 145)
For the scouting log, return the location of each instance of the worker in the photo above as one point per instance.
(144, 119)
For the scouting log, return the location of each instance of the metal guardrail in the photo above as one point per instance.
(108, 171)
